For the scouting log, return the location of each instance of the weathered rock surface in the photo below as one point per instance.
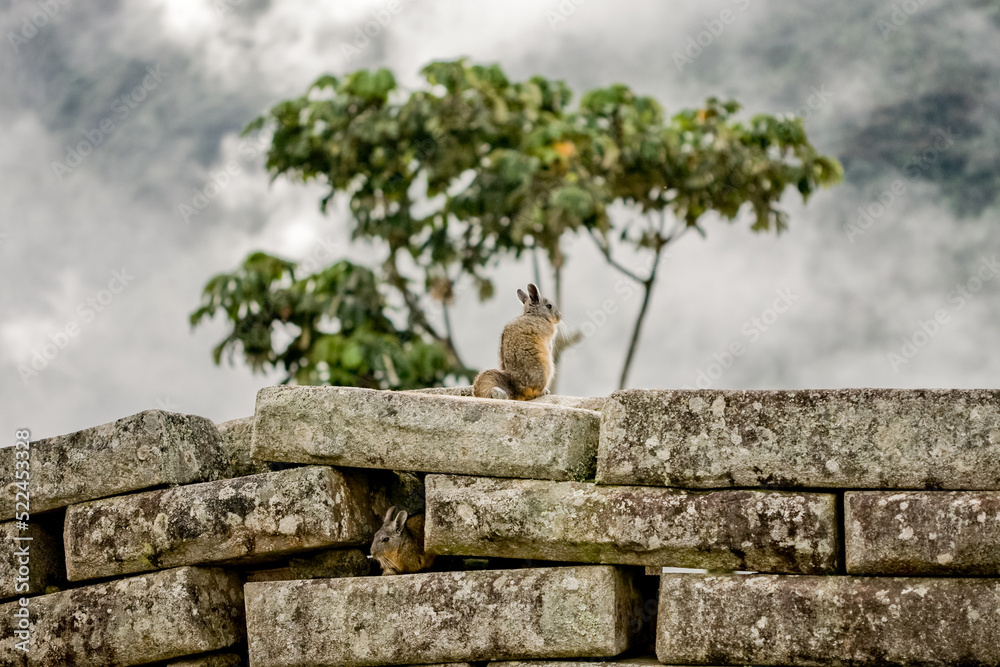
(806, 620)
(152, 448)
(631, 662)
(237, 435)
(213, 660)
(853, 438)
(765, 531)
(366, 428)
(393, 488)
(586, 611)
(133, 621)
(583, 402)
(232, 520)
(25, 574)
(444, 391)
(233, 660)
(923, 532)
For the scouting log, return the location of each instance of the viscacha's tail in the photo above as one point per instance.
(492, 379)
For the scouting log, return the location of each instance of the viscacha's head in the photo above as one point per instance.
(537, 305)
(390, 539)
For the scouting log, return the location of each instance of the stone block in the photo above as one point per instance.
(444, 391)
(152, 448)
(241, 520)
(212, 660)
(844, 438)
(923, 532)
(583, 402)
(624, 662)
(583, 611)
(30, 560)
(150, 618)
(809, 620)
(366, 428)
(237, 434)
(393, 488)
(765, 531)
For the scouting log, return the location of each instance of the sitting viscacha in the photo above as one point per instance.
(527, 364)
(399, 544)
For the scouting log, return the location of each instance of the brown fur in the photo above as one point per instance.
(398, 545)
(526, 362)
(488, 379)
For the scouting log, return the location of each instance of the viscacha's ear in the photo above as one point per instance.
(533, 292)
(400, 521)
(522, 296)
(389, 514)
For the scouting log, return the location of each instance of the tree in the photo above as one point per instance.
(363, 347)
(451, 178)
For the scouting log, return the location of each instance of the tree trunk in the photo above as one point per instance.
(634, 343)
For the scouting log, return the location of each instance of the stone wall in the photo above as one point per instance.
(848, 527)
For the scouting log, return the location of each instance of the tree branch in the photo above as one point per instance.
(417, 315)
(606, 251)
(634, 342)
(538, 272)
(449, 341)
(647, 285)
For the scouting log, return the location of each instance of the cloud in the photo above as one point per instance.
(120, 206)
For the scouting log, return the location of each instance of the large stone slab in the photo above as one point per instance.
(444, 391)
(584, 402)
(30, 559)
(805, 620)
(585, 611)
(244, 520)
(366, 428)
(237, 435)
(765, 531)
(629, 662)
(152, 448)
(133, 621)
(847, 438)
(212, 660)
(923, 532)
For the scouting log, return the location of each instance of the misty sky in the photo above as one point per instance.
(100, 270)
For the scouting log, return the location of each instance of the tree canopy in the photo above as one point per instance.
(472, 168)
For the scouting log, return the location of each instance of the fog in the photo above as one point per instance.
(889, 279)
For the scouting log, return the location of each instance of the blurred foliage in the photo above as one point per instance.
(341, 334)
(473, 168)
